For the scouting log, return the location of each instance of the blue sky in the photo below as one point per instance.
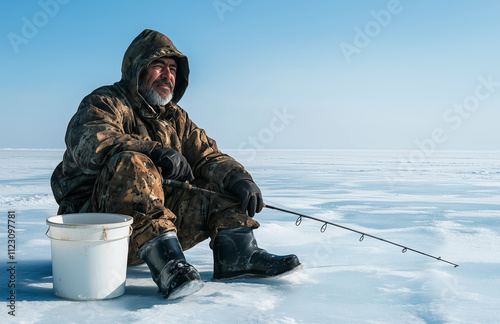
(415, 75)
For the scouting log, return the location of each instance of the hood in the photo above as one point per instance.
(145, 48)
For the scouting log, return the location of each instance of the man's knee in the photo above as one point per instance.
(129, 157)
(129, 162)
(129, 180)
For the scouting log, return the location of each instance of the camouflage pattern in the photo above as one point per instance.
(106, 165)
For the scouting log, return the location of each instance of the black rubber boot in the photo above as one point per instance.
(236, 254)
(174, 276)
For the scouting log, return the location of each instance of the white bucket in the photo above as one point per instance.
(89, 254)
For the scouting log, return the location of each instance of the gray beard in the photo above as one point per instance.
(153, 98)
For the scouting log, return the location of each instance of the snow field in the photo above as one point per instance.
(446, 206)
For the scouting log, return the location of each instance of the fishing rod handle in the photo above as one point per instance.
(177, 184)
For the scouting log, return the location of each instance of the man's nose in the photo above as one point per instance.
(166, 73)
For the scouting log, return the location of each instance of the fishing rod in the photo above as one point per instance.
(188, 186)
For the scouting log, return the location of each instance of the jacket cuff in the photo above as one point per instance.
(153, 146)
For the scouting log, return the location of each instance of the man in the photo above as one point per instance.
(126, 138)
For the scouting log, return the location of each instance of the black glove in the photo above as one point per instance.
(172, 163)
(249, 194)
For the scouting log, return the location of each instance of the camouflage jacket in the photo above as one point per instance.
(117, 118)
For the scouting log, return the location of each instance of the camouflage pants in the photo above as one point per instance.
(130, 184)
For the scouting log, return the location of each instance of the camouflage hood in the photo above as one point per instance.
(145, 48)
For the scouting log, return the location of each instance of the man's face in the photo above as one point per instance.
(159, 76)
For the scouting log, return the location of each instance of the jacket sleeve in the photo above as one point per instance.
(97, 132)
(206, 159)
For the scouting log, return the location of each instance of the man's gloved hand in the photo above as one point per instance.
(249, 194)
(172, 163)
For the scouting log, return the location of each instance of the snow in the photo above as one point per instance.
(446, 204)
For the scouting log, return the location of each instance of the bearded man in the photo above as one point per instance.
(126, 138)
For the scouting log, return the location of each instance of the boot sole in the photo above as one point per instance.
(256, 275)
(186, 289)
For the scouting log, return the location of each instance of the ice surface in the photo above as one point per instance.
(447, 204)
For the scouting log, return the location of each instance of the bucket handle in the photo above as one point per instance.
(105, 235)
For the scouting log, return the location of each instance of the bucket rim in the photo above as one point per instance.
(126, 222)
